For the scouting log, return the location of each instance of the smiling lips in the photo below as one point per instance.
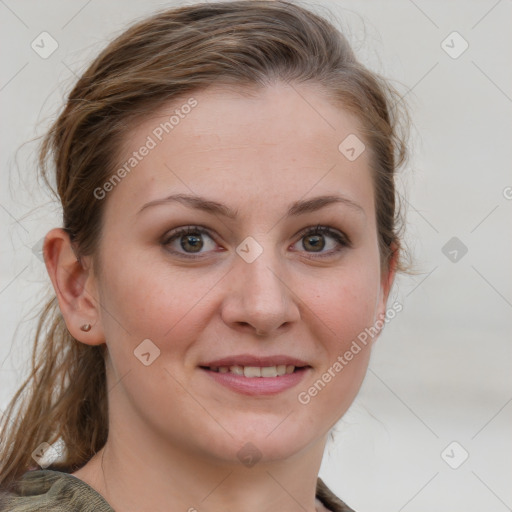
(256, 371)
(252, 375)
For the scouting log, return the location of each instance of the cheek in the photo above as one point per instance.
(343, 309)
(150, 300)
(346, 302)
(356, 300)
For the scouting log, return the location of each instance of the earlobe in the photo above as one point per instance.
(74, 286)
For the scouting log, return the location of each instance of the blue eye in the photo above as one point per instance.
(190, 241)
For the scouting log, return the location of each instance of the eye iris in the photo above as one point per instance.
(316, 242)
(195, 242)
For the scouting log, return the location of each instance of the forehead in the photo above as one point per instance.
(275, 143)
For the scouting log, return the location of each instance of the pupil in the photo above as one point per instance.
(194, 241)
(316, 242)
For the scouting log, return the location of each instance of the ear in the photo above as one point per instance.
(386, 283)
(75, 287)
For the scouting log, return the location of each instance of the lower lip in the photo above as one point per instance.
(258, 385)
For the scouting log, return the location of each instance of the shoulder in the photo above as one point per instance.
(329, 499)
(52, 491)
(56, 491)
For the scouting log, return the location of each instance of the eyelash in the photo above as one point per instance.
(342, 239)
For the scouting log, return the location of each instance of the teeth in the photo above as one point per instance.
(237, 370)
(252, 371)
(256, 371)
(269, 371)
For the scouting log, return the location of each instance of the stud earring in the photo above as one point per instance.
(86, 327)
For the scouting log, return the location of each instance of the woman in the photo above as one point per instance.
(226, 173)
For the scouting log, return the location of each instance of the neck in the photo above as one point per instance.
(130, 480)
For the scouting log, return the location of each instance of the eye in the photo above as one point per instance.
(191, 240)
(315, 240)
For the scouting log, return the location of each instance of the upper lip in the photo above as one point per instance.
(250, 360)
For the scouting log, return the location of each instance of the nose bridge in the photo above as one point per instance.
(261, 279)
(260, 296)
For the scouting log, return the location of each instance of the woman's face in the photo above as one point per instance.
(200, 292)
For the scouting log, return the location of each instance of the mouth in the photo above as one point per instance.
(257, 376)
(256, 371)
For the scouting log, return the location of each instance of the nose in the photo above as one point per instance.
(260, 300)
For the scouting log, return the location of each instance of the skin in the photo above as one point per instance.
(174, 433)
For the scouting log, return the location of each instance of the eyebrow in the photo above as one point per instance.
(297, 208)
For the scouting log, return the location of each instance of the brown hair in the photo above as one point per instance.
(167, 56)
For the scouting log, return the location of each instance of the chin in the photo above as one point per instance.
(262, 440)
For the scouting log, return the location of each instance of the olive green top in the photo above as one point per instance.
(55, 491)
